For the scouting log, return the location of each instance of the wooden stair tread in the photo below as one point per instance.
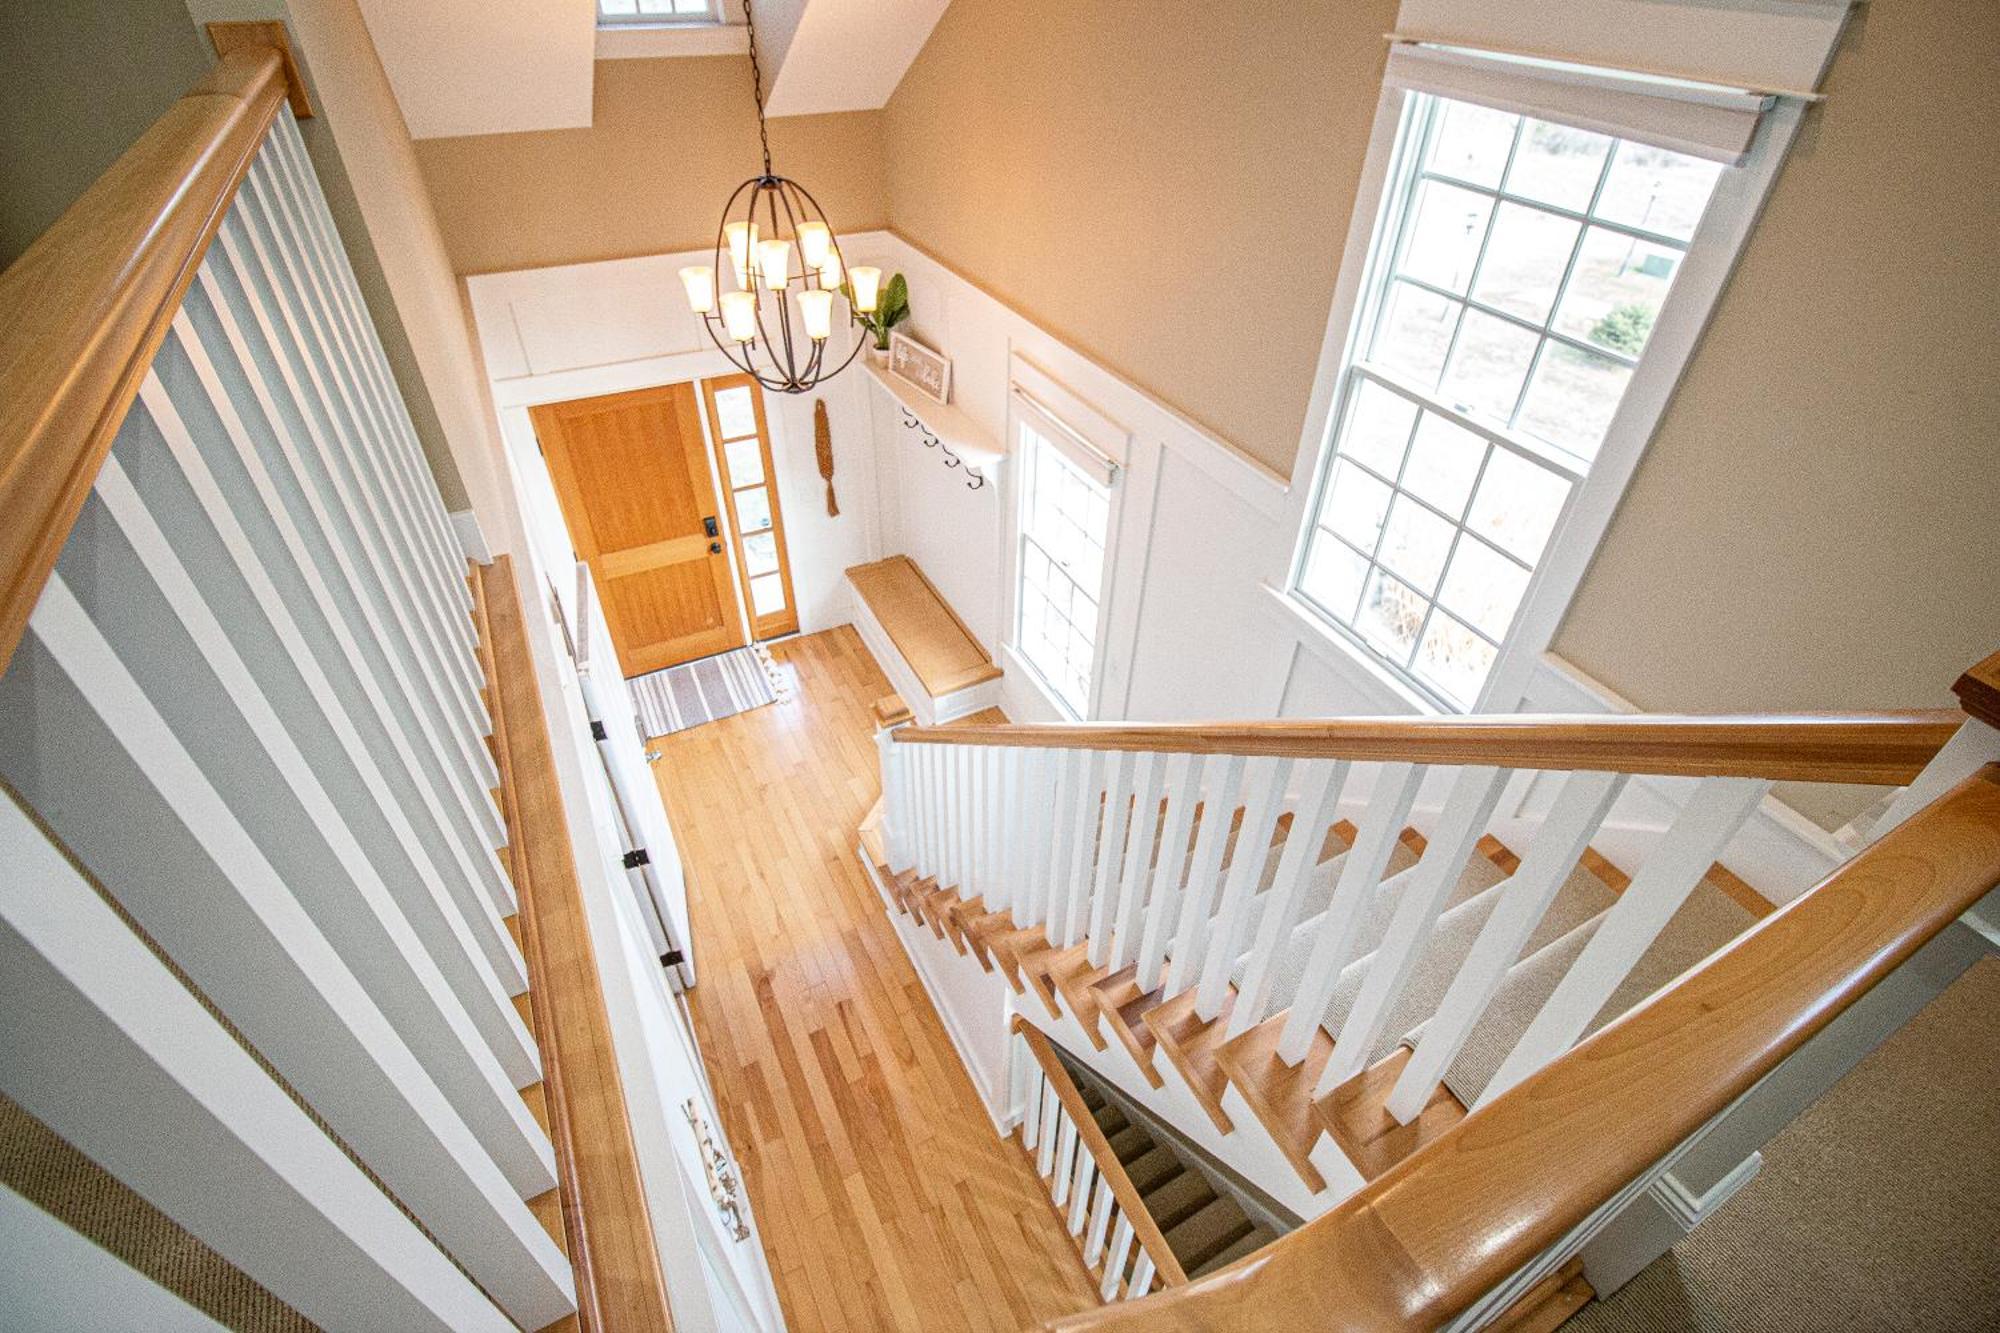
(1122, 1007)
(890, 711)
(1077, 987)
(1281, 1094)
(1043, 971)
(1356, 1115)
(1190, 1043)
(940, 650)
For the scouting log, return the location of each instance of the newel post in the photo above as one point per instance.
(1976, 745)
(893, 824)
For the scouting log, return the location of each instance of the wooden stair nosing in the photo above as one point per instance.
(1189, 1044)
(1281, 1095)
(1356, 1115)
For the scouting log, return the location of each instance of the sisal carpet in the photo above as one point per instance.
(703, 691)
(1879, 1208)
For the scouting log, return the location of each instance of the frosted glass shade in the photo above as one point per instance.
(742, 238)
(866, 283)
(817, 307)
(700, 283)
(739, 315)
(815, 242)
(774, 263)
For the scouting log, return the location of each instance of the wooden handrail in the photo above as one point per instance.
(1978, 691)
(1887, 749)
(1144, 1229)
(620, 1286)
(1421, 1243)
(85, 308)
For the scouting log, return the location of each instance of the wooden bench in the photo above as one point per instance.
(932, 659)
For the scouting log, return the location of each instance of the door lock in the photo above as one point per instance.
(715, 548)
(708, 527)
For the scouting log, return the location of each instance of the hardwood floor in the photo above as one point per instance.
(885, 1197)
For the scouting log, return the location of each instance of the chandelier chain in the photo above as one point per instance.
(757, 86)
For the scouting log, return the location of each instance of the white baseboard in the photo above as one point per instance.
(915, 944)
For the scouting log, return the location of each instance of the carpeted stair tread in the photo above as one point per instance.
(1153, 1168)
(1582, 896)
(1131, 1143)
(1248, 1243)
(1180, 1198)
(1109, 1118)
(1210, 1231)
(1479, 875)
(1709, 919)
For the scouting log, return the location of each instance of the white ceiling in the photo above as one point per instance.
(841, 55)
(487, 66)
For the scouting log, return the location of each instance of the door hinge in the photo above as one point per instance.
(672, 958)
(597, 731)
(637, 857)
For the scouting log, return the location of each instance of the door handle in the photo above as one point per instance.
(715, 548)
(708, 527)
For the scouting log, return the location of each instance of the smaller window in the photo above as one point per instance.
(1065, 523)
(611, 13)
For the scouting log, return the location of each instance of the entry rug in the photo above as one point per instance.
(696, 692)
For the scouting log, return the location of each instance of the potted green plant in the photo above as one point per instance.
(892, 309)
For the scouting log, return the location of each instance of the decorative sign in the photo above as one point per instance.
(920, 367)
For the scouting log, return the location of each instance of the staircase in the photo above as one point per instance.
(1338, 940)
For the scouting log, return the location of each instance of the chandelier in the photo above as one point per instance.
(775, 241)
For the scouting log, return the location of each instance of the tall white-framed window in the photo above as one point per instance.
(1065, 488)
(1518, 265)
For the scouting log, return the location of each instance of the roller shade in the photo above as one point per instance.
(1703, 120)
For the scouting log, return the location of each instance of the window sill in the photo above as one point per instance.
(1381, 689)
(1052, 703)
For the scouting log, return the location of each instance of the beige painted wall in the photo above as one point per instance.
(1815, 525)
(1112, 171)
(670, 139)
(79, 81)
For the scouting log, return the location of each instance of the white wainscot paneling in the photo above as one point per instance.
(1204, 647)
(540, 321)
(952, 532)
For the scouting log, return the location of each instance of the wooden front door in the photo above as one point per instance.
(632, 474)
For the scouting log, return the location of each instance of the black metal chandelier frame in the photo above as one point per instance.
(785, 205)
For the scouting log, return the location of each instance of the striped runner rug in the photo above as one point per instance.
(696, 692)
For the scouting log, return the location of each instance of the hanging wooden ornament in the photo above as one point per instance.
(823, 448)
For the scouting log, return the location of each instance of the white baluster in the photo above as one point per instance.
(1264, 782)
(1142, 1277)
(1110, 851)
(83, 993)
(1319, 803)
(1031, 1104)
(1040, 778)
(1221, 774)
(1066, 1144)
(236, 929)
(1703, 828)
(993, 826)
(1079, 1191)
(1053, 1121)
(400, 942)
(1460, 826)
(1013, 825)
(1100, 1222)
(1143, 829)
(1065, 773)
(1183, 793)
(1580, 807)
(1121, 1253)
(1086, 808)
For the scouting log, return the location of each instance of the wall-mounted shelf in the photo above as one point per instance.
(957, 438)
